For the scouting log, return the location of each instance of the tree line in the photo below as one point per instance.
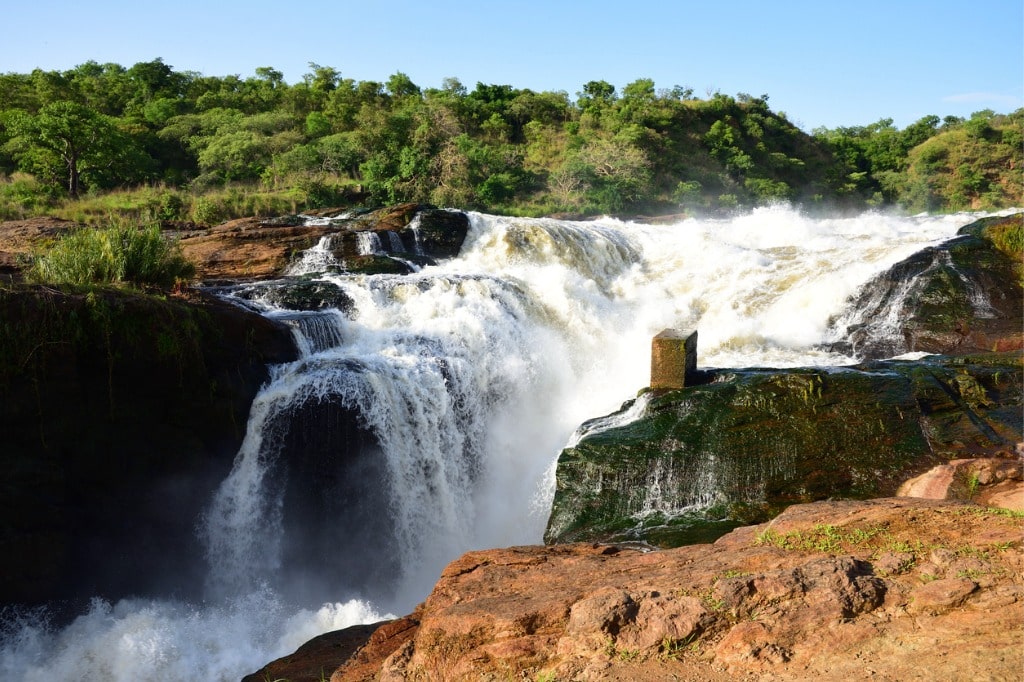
(102, 127)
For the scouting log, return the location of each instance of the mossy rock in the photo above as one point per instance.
(746, 443)
(963, 296)
(376, 264)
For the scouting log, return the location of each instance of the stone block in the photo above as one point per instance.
(673, 358)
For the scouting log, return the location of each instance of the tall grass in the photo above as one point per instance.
(123, 253)
(167, 204)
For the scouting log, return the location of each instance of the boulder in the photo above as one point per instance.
(248, 248)
(740, 445)
(990, 481)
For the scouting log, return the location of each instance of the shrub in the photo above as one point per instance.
(22, 195)
(123, 253)
(206, 211)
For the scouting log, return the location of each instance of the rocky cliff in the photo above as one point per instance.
(121, 413)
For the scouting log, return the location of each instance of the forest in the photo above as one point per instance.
(180, 146)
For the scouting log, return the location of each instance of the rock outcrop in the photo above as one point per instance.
(121, 413)
(885, 588)
(743, 444)
(963, 296)
(387, 240)
(987, 481)
(19, 238)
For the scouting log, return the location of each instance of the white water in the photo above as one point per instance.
(473, 375)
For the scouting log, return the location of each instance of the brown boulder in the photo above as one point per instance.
(248, 248)
(992, 481)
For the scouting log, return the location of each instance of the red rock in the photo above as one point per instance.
(738, 608)
(941, 595)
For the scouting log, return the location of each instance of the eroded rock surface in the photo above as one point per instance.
(830, 590)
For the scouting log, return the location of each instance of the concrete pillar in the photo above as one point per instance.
(673, 358)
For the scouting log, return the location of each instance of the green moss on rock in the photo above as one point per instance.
(747, 443)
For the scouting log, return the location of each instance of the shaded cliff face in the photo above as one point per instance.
(121, 413)
(963, 296)
(679, 466)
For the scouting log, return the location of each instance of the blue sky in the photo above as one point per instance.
(823, 62)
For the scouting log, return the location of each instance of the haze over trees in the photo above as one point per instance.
(330, 140)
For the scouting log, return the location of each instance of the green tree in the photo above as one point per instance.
(70, 141)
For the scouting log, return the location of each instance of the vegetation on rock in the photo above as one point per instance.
(118, 254)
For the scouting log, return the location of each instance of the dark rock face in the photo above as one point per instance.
(963, 296)
(747, 443)
(335, 500)
(121, 414)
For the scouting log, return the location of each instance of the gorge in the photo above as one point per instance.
(423, 408)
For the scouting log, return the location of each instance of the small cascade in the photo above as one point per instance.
(372, 243)
(369, 243)
(320, 258)
(875, 323)
(414, 227)
(671, 491)
(611, 421)
(395, 242)
(317, 332)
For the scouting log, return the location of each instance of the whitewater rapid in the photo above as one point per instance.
(472, 375)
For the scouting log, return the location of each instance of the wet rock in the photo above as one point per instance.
(744, 443)
(963, 296)
(296, 294)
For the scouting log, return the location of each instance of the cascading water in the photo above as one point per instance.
(451, 392)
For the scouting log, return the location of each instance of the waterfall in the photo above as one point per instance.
(317, 259)
(451, 392)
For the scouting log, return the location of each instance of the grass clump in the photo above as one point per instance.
(123, 253)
